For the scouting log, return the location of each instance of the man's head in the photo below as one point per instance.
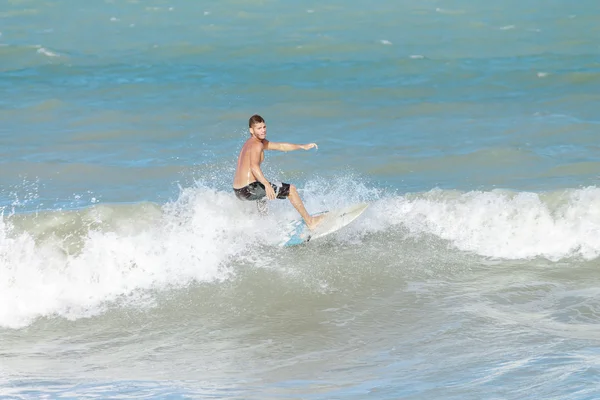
(258, 127)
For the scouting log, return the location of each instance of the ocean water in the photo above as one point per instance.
(128, 269)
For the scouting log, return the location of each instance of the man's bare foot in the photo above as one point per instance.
(314, 221)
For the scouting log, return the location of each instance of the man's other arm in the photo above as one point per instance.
(257, 172)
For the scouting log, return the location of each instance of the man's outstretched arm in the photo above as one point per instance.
(288, 146)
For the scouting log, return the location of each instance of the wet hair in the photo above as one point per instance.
(255, 119)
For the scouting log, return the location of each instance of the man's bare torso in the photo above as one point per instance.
(243, 174)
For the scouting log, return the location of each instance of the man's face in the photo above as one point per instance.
(259, 130)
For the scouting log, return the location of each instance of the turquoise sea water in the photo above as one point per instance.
(129, 269)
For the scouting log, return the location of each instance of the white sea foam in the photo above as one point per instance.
(503, 224)
(47, 52)
(192, 241)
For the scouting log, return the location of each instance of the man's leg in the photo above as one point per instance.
(294, 198)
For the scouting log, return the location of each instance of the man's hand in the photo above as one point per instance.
(309, 146)
(270, 192)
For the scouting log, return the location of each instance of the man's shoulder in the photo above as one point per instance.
(253, 144)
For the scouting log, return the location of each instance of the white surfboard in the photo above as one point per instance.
(298, 233)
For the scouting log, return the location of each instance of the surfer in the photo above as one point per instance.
(249, 183)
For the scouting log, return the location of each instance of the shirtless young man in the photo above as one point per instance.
(249, 182)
